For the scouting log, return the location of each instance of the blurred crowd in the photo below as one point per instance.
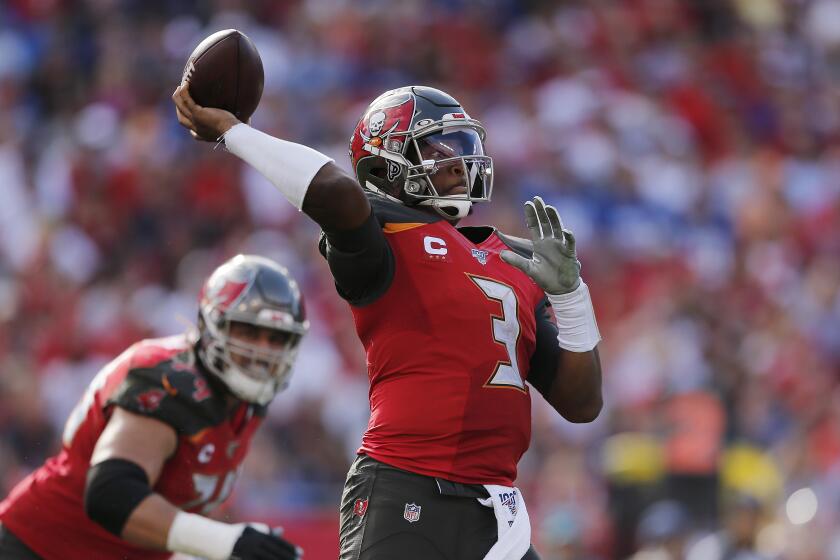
(691, 145)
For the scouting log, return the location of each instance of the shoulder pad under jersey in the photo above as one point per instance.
(173, 391)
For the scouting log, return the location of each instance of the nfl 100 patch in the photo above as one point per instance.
(480, 255)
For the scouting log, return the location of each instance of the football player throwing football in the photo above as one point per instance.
(459, 323)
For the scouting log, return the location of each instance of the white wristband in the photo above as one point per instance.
(290, 167)
(577, 329)
(198, 536)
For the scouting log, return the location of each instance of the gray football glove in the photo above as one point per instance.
(554, 265)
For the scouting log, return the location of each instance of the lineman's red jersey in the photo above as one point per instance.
(449, 346)
(157, 378)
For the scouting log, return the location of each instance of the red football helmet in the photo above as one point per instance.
(409, 134)
(257, 291)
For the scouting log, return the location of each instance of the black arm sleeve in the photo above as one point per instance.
(361, 261)
(114, 489)
(546, 357)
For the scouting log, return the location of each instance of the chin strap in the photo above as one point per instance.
(371, 187)
(445, 206)
(440, 205)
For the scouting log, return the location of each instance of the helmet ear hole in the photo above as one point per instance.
(385, 176)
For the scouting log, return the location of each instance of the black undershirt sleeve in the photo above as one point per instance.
(361, 261)
(546, 356)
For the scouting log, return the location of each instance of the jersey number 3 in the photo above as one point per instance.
(506, 331)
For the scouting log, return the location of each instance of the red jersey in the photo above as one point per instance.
(448, 348)
(157, 378)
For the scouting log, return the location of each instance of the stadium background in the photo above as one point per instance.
(692, 146)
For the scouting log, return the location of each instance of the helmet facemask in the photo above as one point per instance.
(251, 320)
(452, 156)
(252, 372)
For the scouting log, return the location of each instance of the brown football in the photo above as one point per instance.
(225, 71)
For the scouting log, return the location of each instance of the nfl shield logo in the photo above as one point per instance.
(412, 513)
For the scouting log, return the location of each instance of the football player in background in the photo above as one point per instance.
(160, 435)
(454, 322)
